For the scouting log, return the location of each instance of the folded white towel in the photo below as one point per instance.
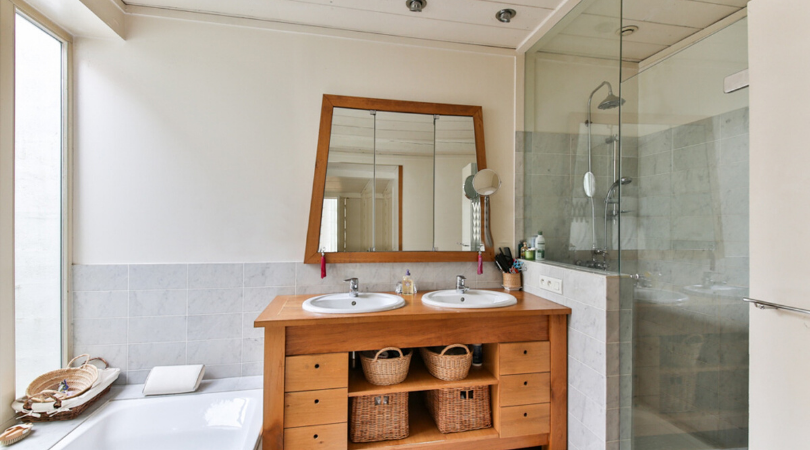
(164, 380)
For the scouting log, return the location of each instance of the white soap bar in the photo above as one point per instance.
(163, 380)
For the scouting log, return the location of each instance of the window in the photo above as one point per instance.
(329, 225)
(39, 187)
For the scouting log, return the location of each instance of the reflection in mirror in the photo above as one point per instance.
(414, 166)
(457, 217)
(347, 208)
(406, 140)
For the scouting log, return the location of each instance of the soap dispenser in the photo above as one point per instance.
(408, 285)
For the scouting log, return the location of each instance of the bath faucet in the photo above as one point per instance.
(354, 287)
(461, 286)
(641, 281)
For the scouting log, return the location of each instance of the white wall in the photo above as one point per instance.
(196, 142)
(779, 42)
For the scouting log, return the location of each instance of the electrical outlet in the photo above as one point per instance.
(551, 284)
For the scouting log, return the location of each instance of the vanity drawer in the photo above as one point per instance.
(319, 437)
(307, 408)
(315, 372)
(525, 389)
(525, 420)
(525, 357)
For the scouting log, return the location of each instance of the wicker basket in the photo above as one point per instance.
(45, 388)
(385, 372)
(460, 409)
(381, 417)
(445, 366)
(511, 281)
(70, 414)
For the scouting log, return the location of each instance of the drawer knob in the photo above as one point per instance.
(317, 401)
(525, 383)
(525, 414)
(317, 366)
(525, 352)
(315, 437)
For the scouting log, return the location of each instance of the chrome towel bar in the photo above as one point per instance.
(768, 305)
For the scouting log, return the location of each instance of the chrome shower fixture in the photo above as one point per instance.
(610, 102)
(505, 15)
(416, 5)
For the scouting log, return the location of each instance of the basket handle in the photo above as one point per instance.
(454, 346)
(99, 358)
(70, 363)
(401, 355)
(28, 405)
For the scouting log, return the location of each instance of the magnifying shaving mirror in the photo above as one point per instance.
(486, 183)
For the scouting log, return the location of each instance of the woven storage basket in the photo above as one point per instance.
(445, 366)
(45, 388)
(511, 281)
(385, 372)
(381, 417)
(70, 414)
(460, 409)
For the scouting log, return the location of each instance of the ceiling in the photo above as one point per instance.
(661, 23)
(589, 30)
(459, 21)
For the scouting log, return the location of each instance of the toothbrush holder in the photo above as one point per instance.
(512, 282)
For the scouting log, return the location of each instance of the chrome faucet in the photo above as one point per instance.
(461, 284)
(354, 286)
(641, 281)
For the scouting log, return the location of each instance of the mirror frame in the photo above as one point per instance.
(330, 102)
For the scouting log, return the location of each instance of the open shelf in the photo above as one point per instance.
(419, 379)
(424, 431)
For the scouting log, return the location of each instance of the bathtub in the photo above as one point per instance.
(217, 421)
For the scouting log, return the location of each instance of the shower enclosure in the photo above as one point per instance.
(635, 164)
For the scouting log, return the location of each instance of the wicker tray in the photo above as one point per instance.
(385, 372)
(45, 388)
(460, 409)
(64, 415)
(381, 417)
(445, 366)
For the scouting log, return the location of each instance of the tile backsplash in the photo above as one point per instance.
(143, 315)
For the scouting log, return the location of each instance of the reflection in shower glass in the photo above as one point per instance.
(688, 241)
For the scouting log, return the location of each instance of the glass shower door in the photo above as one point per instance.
(689, 350)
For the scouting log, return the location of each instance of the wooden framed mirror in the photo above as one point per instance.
(390, 180)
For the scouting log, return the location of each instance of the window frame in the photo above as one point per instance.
(37, 19)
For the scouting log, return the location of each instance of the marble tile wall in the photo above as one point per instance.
(599, 356)
(549, 196)
(143, 315)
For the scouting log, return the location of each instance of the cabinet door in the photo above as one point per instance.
(314, 372)
(525, 357)
(525, 389)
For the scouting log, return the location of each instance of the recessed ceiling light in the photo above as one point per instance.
(505, 15)
(416, 5)
(627, 31)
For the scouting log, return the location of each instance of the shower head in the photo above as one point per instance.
(611, 101)
(624, 182)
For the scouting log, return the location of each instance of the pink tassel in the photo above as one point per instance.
(323, 265)
(480, 264)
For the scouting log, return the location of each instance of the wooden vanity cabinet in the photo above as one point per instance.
(308, 383)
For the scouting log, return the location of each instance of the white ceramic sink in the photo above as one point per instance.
(366, 302)
(720, 290)
(468, 300)
(660, 296)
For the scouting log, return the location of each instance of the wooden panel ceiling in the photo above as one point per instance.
(661, 23)
(460, 21)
